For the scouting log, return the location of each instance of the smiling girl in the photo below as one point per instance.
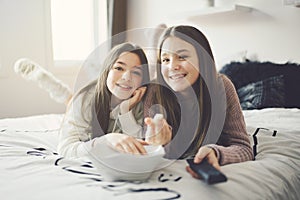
(112, 104)
(201, 106)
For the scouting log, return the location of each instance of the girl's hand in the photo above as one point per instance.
(159, 134)
(205, 152)
(126, 144)
(128, 104)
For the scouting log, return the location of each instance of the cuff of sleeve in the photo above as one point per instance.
(216, 150)
(115, 112)
(129, 124)
(85, 148)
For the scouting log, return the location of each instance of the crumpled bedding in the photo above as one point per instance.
(30, 167)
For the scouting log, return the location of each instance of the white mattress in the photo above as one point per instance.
(31, 169)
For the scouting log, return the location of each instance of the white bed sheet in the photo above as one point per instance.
(30, 167)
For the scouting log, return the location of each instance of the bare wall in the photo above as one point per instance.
(270, 31)
(266, 30)
(23, 35)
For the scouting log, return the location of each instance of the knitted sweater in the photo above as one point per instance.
(76, 137)
(234, 144)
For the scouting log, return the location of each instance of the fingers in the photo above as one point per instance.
(189, 170)
(135, 148)
(138, 94)
(142, 91)
(158, 133)
(128, 104)
(201, 154)
(150, 132)
(216, 165)
(213, 160)
(136, 97)
(139, 147)
(142, 142)
(131, 146)
(209, 154)
(126, 144)
(159, 123)
(166, 132)
(148, 120)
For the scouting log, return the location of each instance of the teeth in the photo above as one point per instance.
(124, 86)
(177, 76)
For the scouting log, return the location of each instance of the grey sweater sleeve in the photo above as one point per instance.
(75, 133)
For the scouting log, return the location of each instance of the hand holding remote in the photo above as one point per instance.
(207, 172)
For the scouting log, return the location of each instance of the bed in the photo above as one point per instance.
(32, 169)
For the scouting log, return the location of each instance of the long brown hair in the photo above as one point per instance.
(102, 97)
(202, 87)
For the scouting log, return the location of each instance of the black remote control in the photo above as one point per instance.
(207, 172)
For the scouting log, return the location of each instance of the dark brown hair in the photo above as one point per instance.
(202, 87)
(102, 98)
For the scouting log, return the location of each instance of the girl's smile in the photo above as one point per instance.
(179, 64)
(125, 76)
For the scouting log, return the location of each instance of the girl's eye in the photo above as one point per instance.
(165, 60)
(138, 73)
(118, 68)
(182, 57)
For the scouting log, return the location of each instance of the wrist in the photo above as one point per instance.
(215, 150)
(124, 108)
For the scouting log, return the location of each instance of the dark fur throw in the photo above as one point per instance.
(265, 84)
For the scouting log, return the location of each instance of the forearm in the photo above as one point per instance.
(234, 138)
(75, 132)
(233, 153)
(74, 149)
(74, 139)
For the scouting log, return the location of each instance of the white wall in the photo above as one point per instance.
(22, 34)
(270, 31)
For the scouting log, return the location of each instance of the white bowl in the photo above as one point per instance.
(114, 165)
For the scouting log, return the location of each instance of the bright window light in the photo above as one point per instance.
(76, 26)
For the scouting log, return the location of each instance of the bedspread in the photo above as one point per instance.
(30, 167)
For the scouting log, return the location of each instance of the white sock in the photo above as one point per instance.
(30, 70)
